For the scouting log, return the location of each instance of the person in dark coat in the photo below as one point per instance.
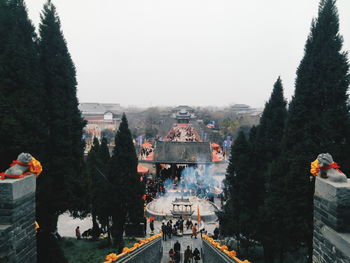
(216, 233)
(169, 229)
(164, 231)
(188, 255)
(151, 226)
(177, 247)
(181, 225)
(196, 255)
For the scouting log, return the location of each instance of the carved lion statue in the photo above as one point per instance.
(17, 169)
(329, 169)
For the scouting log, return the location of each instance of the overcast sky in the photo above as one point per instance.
(195, 52)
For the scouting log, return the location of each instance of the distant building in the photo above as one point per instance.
(100, 116)
(240, 108)
(183, 114)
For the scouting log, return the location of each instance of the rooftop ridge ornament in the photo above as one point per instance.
(25, 165)
(327, 168)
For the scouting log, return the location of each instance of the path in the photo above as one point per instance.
(184, 241)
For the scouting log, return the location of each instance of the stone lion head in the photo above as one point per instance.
(325, 159)
(24, 157)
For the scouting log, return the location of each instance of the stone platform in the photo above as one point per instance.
(331, 222)
(17, 217)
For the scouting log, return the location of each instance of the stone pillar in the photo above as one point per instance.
(17, 217)
(331, 222)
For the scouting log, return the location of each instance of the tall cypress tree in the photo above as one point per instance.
(267, 148)
(127, 189)
(103, 185)
(317, 120)
(59, 186)
(93, 165)
(97, 163)
(22, 111)
(235, 219)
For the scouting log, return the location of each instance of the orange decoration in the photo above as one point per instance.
(315, 168)
(34, 167)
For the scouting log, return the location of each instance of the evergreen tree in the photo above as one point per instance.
(127, 189)
(103, 185)
(60, 186)
(93, 165)
(22, 112)
(235, 219)
(97, 162)
(267, 148)
(317, 120)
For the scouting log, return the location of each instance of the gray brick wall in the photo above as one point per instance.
(331, 222)
(17, 217)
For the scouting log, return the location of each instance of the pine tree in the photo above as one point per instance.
(22, 111)
(97, 163)
(59, 186)
(317, 120)
(103, 185)
(235, 219)
(127, 189)
(267, 148)
(93, 165)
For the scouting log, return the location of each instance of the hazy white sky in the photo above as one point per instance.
(196, 52)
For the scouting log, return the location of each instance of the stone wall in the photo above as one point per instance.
(211, 254)
(17, 217)
(150, 252)
(331, 222)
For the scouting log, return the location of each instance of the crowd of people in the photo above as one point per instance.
(170, 229)
(189, 255)
(145, 152)
(154, 188)
(181, 133)
(177, 229)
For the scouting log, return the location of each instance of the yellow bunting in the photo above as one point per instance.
(315, 168)
(35, 167)
(113, 257)
(232, 254)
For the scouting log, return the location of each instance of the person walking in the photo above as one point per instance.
(151, 226)
(77, 233)
(188, 255)
(164, 231)
(181, 225)
(169, 229)
(196, 255)
(194, 231)
(177, 246)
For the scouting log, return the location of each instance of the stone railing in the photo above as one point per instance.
(17, 217)
(150, 252)
(213, 252)
(331, 222)
(146, 250)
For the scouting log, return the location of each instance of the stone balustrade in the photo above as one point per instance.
(331, 222)
(17, 217)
